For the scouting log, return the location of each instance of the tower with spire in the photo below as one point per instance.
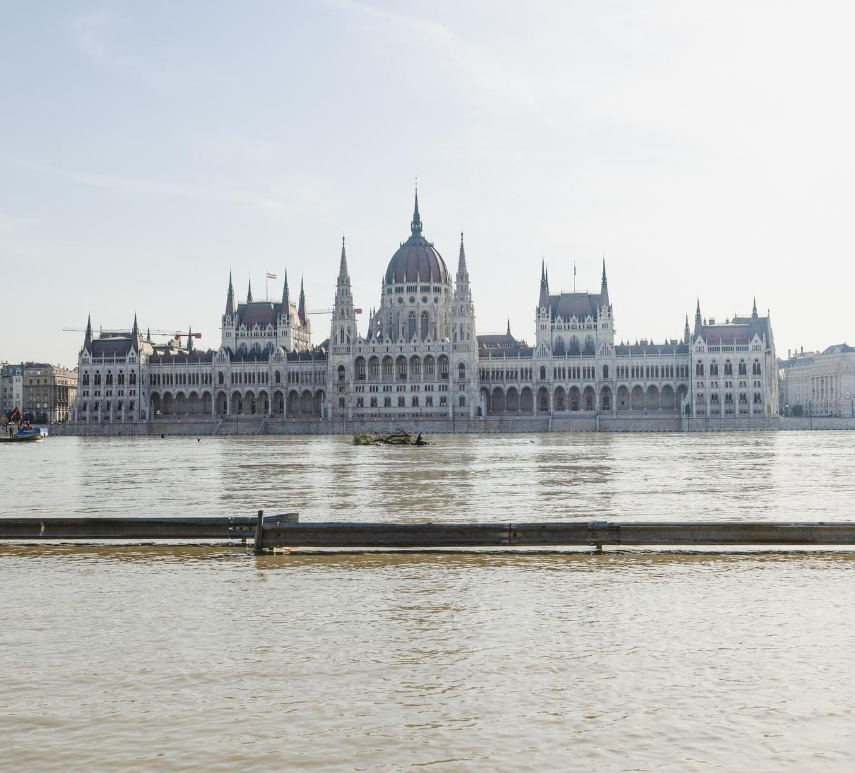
(543, 317)
(464, 340)
(343, 330)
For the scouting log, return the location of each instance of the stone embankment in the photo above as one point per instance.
(488, 425)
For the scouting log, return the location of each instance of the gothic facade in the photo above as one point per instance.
(421, 357)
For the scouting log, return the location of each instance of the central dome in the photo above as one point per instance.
(417, 259)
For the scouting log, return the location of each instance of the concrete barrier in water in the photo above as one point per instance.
(286, 530)
(555, 534)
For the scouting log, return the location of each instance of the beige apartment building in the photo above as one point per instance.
(49, 392)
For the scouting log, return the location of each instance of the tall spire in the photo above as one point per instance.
(509, 325)
(461, 261)
(135, 335)
(343, 276)
(698, 321)
(686, 332)
(543, 301)
(148, 334)
(604, 286)
(190, 340)
(416, 225)
(249, 292)
(230, 298)
(754, 310)
(301, 309)
(286, 298)
(87, 340)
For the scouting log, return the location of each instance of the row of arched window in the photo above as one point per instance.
(572, 347)
(728, 368)
(401, 367)
(108, 378)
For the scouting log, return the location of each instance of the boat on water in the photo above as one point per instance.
(25, 432)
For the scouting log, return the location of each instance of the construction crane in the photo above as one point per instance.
(329, 311)
(125, 330)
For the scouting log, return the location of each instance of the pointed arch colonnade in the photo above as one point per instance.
(500, 399)
(280, 402)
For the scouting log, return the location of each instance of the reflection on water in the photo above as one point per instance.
(526, 477)
(172, 659)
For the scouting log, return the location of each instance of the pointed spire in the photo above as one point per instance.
(230, 298)
(698, 321)
(686, 332)
(301, 309)
(135, 335)
(249, 292)
(416, 225)
(462, 271)
(343, 277)
(286, 298)
(604, 286)
(190, 340)
(509, 325)
(148, 334)
(754, 310)
(87, 340)
(543, 301)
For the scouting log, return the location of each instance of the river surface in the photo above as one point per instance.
(120, 658)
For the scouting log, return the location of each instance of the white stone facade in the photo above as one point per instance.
(421, 358)
(819, 383)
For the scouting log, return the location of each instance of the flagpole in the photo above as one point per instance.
(266, 291)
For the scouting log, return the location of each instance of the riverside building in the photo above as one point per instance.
(819, 383)
(420, 358)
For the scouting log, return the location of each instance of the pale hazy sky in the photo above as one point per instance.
(148, 147)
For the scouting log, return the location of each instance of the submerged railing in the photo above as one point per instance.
(286, 531)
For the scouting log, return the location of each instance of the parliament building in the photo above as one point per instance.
(421, 358)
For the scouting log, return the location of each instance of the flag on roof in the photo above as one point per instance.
(271, 275)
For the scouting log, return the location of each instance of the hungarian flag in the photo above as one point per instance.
(271, 276)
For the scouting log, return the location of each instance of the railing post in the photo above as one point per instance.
(258, 546)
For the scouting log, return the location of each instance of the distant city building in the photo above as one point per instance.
(49, 392)
(11, 387)
(421, 357)
(819, 383)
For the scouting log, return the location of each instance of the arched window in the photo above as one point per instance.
(133, 379)
(85, 379)
(713, 368)
(462, 401)
(755, 369)
(461, 371)
(277, 378)
(699, 369)
(412, 325)
(743, 370)
(543, 373)
(109, 378)
(220, 377)
(728, 368)
(97, 379)
(121, 378)
(341, 372)
(605, 371)
(424, 325)
(589, 345)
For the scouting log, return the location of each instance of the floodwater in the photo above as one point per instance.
(116, 658)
